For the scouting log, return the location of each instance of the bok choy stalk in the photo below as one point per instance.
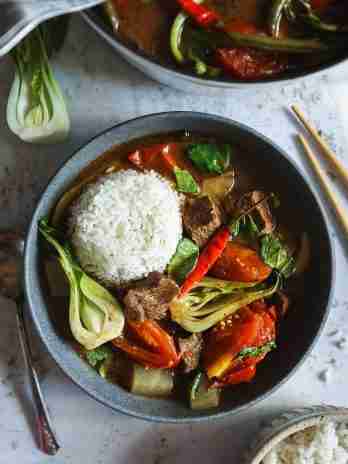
(212, 300)
(95, 316)
(36, 109)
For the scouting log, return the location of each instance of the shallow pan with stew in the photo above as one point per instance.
(299, 329)
(182, 79)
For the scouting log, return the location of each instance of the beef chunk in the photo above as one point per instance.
(190, 349)
(132, 17)
(247, 201)
(201, 219)
(150, 298)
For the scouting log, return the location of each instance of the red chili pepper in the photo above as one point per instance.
(203, 16)
(160, 351)
(207, 258)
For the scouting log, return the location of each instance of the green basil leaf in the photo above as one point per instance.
(98, 355)
(209, 157)
(255, 351)
(184, 260)
(277, 256)
(185, 182)
(245, 228)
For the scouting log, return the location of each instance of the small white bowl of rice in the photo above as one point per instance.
(126, 225)
(311, 435)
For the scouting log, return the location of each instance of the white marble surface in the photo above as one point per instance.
(102, 90)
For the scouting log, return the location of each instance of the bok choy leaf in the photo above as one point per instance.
(95, 315)
(36, 109)
(212, 300)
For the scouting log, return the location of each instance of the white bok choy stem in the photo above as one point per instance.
(36, 109)
(95, 315)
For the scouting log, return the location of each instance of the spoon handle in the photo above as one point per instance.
(47, 439)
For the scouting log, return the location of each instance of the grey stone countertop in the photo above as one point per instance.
(103, 90)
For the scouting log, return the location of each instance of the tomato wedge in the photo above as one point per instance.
(161, 157)
(240, 263)
(157, 350)
(250, 64)
(143, 157)
(254, 327)
(246, 63)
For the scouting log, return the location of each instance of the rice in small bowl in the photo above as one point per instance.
(126, 225)
(310, 435)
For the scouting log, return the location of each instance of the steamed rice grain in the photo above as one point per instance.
(326, 443)
(126, 225)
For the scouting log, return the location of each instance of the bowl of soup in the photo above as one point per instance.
(222, 44)
(171, 271)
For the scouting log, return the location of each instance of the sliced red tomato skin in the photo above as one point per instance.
(243, 375)
(249, 64)
(240, 263)
(158, 349)
(254, 327)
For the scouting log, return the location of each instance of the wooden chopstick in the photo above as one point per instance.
(342, 215)
(327, 151)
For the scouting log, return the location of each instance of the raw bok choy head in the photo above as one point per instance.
(212, 300)
(36, 109)
(95, 316)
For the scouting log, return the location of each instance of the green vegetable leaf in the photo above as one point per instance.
(95, 316)
(36, 110)
(245, 228)
(255, 351)
(184, 260)
(195, 385)
(185, 182)
(209, 157)
(98, 355)
(277, 256)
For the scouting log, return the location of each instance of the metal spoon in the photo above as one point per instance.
(19, 17)
(11, 253)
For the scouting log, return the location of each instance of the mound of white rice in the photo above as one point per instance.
(323, 444)
(125, 226)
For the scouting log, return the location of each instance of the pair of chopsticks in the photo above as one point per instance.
(331, 158)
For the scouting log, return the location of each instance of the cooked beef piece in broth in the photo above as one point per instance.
(190, 349)
(146, 24)
(150, 298)
(201, 219)
(246, 202)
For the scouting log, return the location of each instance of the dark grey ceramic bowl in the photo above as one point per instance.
(183, 80)
(299, 330)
